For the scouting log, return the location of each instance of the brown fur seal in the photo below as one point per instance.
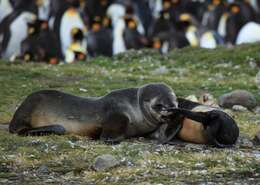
(201, 124)
(120, 114)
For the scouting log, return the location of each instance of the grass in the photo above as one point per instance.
(69, 158)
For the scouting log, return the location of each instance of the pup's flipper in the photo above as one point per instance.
(201, 117)
(167, 132)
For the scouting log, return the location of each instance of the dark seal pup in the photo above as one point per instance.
(120, 114)
(203, 124)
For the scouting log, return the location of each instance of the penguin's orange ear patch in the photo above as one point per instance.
(105, 21)
(71, 12)
(185, 17)
(235, 9)
(216, 2)
(166, 5)
(44, 25)
(131, 24)
(175, 1)
(96, 27)
(156, 43)
(53, 61)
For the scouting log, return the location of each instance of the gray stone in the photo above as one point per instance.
(43, 169)
(105, 162)
(195, 147)
(245, 142)
(238, 97)
(257, 110)
(200, 165)
(239, 108)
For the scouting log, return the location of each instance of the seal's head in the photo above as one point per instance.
(155, 99)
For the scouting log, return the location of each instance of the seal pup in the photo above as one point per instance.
(203, 124)
(120, 114)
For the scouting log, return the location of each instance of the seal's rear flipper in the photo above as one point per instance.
(201, 117)
(45, 130)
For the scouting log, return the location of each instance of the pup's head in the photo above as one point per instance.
(155, 99)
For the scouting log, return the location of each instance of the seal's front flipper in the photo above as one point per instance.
(167, 132)
(201, 117)
(113, 130)
(45, 130)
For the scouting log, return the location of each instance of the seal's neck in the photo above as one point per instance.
(147, 111)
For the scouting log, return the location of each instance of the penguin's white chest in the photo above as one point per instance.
(18, 32)
(71, 19)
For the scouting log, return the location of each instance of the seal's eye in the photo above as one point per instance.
(159, 107)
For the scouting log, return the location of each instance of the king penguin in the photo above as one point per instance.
(65, 21)
(13, 32)
(249, 33)
(5, 8)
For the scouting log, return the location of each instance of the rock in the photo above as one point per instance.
(239, 108)
(200, 165)
(257, 110)
(43, 169)
(257, 138)
(238, 97)
(192, 98)
(245, 142)
(195, 147)
(257, 79)
(105, 162)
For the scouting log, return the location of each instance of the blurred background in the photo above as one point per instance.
(54, 31)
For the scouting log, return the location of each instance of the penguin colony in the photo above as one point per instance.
(56, 31)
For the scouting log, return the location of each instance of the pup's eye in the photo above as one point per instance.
(159, 106)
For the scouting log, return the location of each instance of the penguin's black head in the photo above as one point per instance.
(129, 9)
(164, 15)
(103, 2)
(130, 22)
(184, 21)
(106, 22)
(96, 23)
(33, 28)
(234, 9)
(44, 25)
(74, 3)
(77, 34)
(167, 4)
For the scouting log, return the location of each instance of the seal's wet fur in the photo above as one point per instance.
(203, 124)
(120, 114)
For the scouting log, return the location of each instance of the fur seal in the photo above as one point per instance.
(203, 124)
(120, 114)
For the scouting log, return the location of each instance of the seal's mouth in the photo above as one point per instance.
(162, 111)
